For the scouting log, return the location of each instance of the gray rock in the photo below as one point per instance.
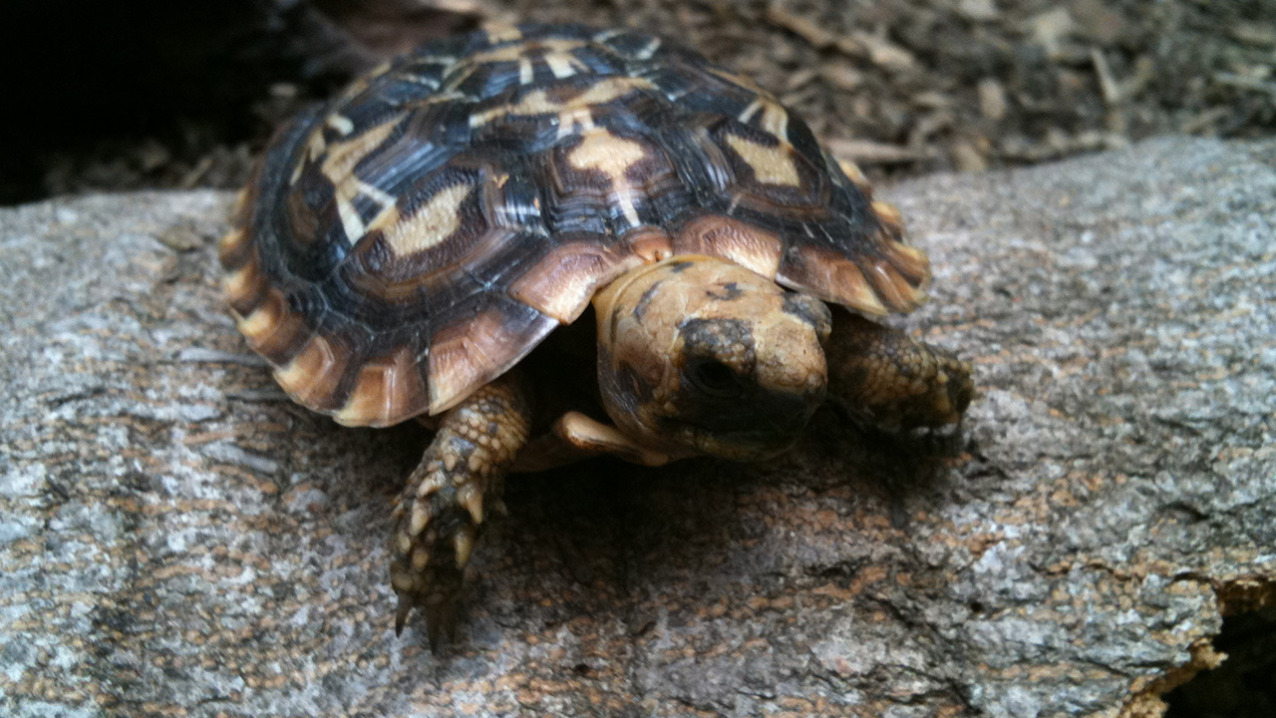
(177, 538)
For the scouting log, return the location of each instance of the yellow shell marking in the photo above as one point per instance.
(557, 56)
(343, 156)
(428, 226)
(258, 326)
(563, 64)
(339, 166)
(649, 50)
(498, 32)
(855, 175)
(613, 156)
(571, 112)
(232, 241)
(241, 284)
(314, 149)
(311, 375)
(340, 123)
(888, 213)
(554, 46)
(384, 393)
(771, 165)
(774, 118)
(354, 187)
(741, 81)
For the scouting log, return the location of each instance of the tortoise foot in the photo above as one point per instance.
(441, 512)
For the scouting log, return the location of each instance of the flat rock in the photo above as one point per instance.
(177, 538)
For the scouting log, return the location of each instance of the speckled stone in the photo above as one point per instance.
(176, 538)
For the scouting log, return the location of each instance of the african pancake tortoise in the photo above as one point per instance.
(402, 250)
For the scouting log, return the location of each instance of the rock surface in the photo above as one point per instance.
(176, 538)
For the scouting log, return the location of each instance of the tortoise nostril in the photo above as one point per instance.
(716, 379)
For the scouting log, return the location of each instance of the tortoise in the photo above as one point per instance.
(402, 250)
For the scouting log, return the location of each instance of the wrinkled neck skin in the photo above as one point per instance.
(697, 355)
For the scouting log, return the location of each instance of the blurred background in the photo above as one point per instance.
(139, 94)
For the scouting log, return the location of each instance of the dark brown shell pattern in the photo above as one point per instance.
(418, 235)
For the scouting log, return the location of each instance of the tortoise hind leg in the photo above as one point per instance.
(441, 510)
(898, 382)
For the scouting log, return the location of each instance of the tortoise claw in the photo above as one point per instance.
(440, 514)
(401, 615)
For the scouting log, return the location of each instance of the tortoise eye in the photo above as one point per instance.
(715, 379)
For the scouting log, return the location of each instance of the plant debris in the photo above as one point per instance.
(904, 87)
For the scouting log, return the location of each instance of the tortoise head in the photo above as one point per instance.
(698, 355)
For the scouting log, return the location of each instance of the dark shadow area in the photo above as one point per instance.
(622, 535)
(144, 94)
(92, 77)
(1244, 686)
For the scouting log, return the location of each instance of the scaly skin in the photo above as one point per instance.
(893, 380)
(441, 511)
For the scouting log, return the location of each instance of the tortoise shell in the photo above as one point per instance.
(418, 235)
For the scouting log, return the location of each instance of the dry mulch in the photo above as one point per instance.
(904, 87)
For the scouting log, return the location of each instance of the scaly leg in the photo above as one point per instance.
(897, 381)
(576, 437)
(440, 513)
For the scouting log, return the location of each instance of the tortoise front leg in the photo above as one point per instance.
(576, 437)
(440, 513)
(897, 381)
